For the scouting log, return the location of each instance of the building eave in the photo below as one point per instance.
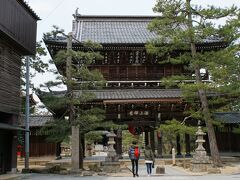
(29, 9)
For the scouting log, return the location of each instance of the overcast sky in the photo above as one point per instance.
(59, 12)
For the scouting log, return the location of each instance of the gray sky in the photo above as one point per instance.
(59, 12)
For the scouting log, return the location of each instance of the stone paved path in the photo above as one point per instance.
(172, 173)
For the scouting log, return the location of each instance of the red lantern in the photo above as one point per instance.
(135, 130)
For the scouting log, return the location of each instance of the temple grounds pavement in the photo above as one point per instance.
(172, 173)
(231, 170)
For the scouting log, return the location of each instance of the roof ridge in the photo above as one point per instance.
(114, 16)
(113, 20)
(114, 90)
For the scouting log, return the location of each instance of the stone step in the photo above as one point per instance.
(35, 161)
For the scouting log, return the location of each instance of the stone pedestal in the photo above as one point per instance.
(200, 161)
(75, 148)
(111, 164)
(160, 170)
(111, 167)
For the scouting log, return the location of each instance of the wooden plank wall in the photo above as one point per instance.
(10, 68)
(125, 66)
(137, 72)
(39, 147)
(17, 23)
(228, 141)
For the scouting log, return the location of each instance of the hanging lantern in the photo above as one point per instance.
(135, 130)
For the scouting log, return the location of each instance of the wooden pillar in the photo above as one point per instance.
(146, 138)
(118, 141)
(159, 144)
(230, 135)
(178, 146)
(83, 145)
(8, 151)
(14, 154)
(143, 140)
(58, 150)
(13, 168)
(152, 143)
(187, 143)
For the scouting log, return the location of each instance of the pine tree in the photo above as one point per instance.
(37, 65)
(173, 128)
(180, 28)
(79, 81)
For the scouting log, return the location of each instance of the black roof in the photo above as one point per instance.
(228, 117)
(123, 94)
(115, 30)
(36, 120)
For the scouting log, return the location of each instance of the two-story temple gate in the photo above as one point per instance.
(133, 93)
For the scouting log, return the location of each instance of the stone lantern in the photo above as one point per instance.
(200, 161)
(111, 163)
(111, 153)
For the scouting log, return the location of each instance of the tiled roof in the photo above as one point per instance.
(36, 120)
(228, 117)
(110, 30)
(110, 94)
(134, 94)
(114, 30)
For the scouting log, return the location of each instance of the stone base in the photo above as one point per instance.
(110, 167)
(13, 171)
(102, 174)
(26, 170)
(214, 171)
(199, 167)
(64, 172)
(111, 159)
(160, 170)
(200, 161)
(87, 173)
(75, 171)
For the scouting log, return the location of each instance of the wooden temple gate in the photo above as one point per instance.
(133, 93)
(144, 115)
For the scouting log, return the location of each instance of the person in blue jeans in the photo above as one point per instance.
(149, 159)
(134, 154)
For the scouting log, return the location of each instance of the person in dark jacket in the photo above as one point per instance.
(134, 154)
(149, 159)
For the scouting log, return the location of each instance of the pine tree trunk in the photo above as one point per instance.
(81, 154)
(202, 95)
(211, 134)
(75, 130)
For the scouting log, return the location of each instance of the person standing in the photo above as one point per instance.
(149, 159)
(134, 154)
